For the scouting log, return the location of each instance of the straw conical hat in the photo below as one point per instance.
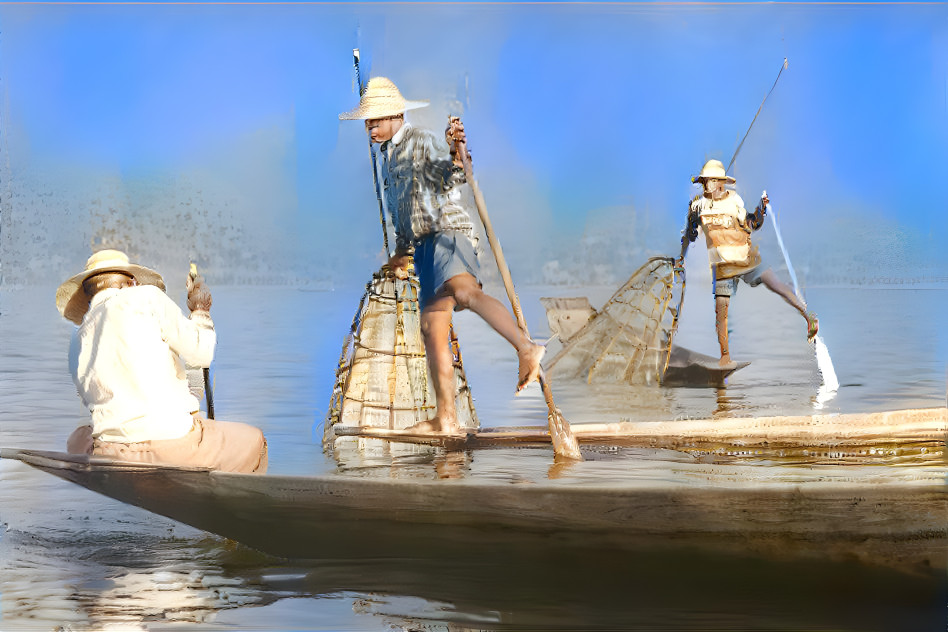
(713, 169)
(381, 99)
(72, 302)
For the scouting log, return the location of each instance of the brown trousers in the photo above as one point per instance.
(221, 445)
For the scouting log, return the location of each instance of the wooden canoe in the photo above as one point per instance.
(880, 514)
(690, 368)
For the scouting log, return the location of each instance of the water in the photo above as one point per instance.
(72, 560)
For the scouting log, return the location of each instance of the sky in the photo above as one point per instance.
(211, 131)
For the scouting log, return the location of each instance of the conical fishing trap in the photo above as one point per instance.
(382, 380)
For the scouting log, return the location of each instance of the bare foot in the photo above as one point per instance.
(812, 326)
(529, 358)
(434, 426)
(727, 363)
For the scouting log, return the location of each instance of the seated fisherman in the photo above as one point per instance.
(727, 229)
(127, 361)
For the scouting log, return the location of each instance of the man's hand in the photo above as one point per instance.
(764, 201)
(457, 139)
(398, 264)
(199, 297)
(679, 266)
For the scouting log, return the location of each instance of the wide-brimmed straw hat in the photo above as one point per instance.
(72, 302)
(713, 169)
(381, 99)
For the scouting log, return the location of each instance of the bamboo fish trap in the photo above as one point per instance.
(629, 339)
(382, 379)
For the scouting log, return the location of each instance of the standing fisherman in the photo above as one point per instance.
(421, 175)
(727, 228)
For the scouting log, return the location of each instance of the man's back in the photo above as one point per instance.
(126, 361)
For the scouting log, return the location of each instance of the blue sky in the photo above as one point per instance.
(584, 120)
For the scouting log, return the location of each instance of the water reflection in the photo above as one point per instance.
(728, 404)
(130, 583)
(114, 580)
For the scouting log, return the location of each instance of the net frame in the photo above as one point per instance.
(630, 339)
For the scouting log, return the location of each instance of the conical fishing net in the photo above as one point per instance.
(382, 380)
(629, 340)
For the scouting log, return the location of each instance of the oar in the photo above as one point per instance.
(823, 361)
(564, 442)
(208, 392)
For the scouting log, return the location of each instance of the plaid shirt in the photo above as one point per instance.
(421, 187)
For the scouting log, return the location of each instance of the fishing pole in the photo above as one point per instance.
(783, 67)
(375, 169)
(205, 371)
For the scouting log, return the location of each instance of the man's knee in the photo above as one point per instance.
(466, 293)
(430, 325)
(80, 441)
(264, 461)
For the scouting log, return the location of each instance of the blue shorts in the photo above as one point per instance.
(439, 257)
(728, 287)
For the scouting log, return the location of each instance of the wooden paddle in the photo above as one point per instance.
(564, 442)
(208, 392)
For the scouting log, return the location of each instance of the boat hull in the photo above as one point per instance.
(883, 515)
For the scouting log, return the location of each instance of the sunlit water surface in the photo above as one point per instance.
(72, 560)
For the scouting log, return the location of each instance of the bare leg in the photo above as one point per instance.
(720, 323)
(435, 328)
(469, 295)
(776, 286)
(780, 288)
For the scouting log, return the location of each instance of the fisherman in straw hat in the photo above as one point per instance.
(127, 361)
(727, 227)
(422, 174)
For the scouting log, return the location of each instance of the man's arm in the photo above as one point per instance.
(442, 163)
(756, 219)
(191, 338)
(690, 232)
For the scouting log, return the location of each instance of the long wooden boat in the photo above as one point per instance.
(883, 513)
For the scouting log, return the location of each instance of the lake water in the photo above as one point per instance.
(73, 560)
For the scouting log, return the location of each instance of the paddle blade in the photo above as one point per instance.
(564, 442)
(825, 365)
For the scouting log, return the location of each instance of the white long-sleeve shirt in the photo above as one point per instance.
(127, 361)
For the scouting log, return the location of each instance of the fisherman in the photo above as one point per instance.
(727, 228)
(421, 175)
(127, 361)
